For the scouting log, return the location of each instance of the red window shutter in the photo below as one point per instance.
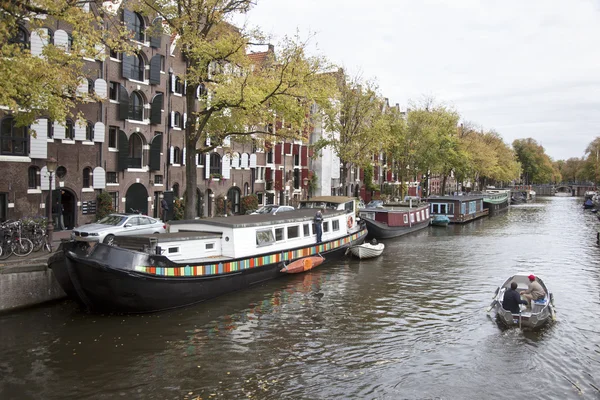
(287, 148)
(304, 156)
(362, 174)
(278, 179)
(268, 175)
(304, 175)
(277, 154)
(389, 176)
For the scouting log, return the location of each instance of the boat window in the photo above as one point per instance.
(422, 214)
(349, 207)
(209, 246)
(412, 218)
(335, 224)
(406, 218)
(443, 208)
(264, 237)
(427, 212)
(173, 249)
(418, 216)
(293, 232)
(306, 230)
(279, 234)
(435, 208)
(326, 226)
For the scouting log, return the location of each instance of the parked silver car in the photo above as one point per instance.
(272, 209)
(113, 225)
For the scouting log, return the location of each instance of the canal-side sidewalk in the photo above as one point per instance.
(27, 281)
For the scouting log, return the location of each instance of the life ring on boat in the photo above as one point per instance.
(350, 222)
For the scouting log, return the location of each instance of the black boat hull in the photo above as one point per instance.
(378, 230)
(104, 278)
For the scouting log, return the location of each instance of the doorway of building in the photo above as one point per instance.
(233, 196)
(199, 203)
(136, 199)
(157, 207)
(3, 207)
(208, 204)
(65, 215)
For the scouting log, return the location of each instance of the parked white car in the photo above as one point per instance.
(113, 225)
(272, 209)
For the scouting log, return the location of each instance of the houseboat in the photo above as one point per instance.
(520, 196)
(496, 200)
(198, 259)
(459, 209)
(395, 219)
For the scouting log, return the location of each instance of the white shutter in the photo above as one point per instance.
(45, 179)
(252, 160)
(82, 88)
(184, 87)
(208, 141)
(172, 119)
(171, 154)
(184, 120)
(38, 145)
(226, 166)
(80, 127)
(100, 52)
(86, 7)
(99, 178)
(335, 166)
(39, 39)
(227, 141)
(60, 131)
(235, 160)
(197, 158)
(184, 154)
(207, 167)
(173, 78)
(244, 163)
(100, 88)
(99, 132)
(61, 39)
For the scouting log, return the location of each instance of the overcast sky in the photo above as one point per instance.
(526, 68)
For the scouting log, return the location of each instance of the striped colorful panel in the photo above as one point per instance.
(240, 265)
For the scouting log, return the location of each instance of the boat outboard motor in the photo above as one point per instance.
(374, 242)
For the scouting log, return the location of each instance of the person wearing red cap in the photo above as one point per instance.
(534, 291)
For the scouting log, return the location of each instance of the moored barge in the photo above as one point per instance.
(198, 259)
(459, 209)
(393, 220)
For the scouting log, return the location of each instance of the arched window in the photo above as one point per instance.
(69, 130)
(13, 140)
(176, 156)
(90, 86)
(33, 177)
(87, 173)
(246, 189)
(178, 85)
(177, 120)
(89, 132)
(176, 190)
(138, 28)
(21, 38)
(135, 151)
(50, 129)
(138, 69)
(136, 107)
(215, 163)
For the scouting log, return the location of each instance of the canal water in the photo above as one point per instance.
(411, 324)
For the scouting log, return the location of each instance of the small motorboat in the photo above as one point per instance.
(588, 204)
(302, 265)
(440, 220)
(541, 312)
(367, 250)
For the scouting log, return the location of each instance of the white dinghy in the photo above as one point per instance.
(367, 250)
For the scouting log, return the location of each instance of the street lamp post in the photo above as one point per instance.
(305, 182)
(225, 206)
(51, 167)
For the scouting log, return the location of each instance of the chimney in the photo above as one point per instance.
(271, 48)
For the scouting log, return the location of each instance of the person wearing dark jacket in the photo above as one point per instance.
(512, 299)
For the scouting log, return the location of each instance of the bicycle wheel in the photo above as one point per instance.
(38, 242)
(22, 247)
(6, 250)
(47, 245)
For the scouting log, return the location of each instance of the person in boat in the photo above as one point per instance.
(319, 224)
(374, 242)
(512, 299)
(535, 291)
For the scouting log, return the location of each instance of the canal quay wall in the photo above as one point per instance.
(27, 285)
(27, 281)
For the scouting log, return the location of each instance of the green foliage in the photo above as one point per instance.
(103, 205)
(369, 178)
(178, 208)
(36, 85)
(249, 203)
(537, 167)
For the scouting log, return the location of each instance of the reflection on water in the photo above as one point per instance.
(409, 324)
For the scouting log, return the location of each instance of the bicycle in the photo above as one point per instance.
(13, 241)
